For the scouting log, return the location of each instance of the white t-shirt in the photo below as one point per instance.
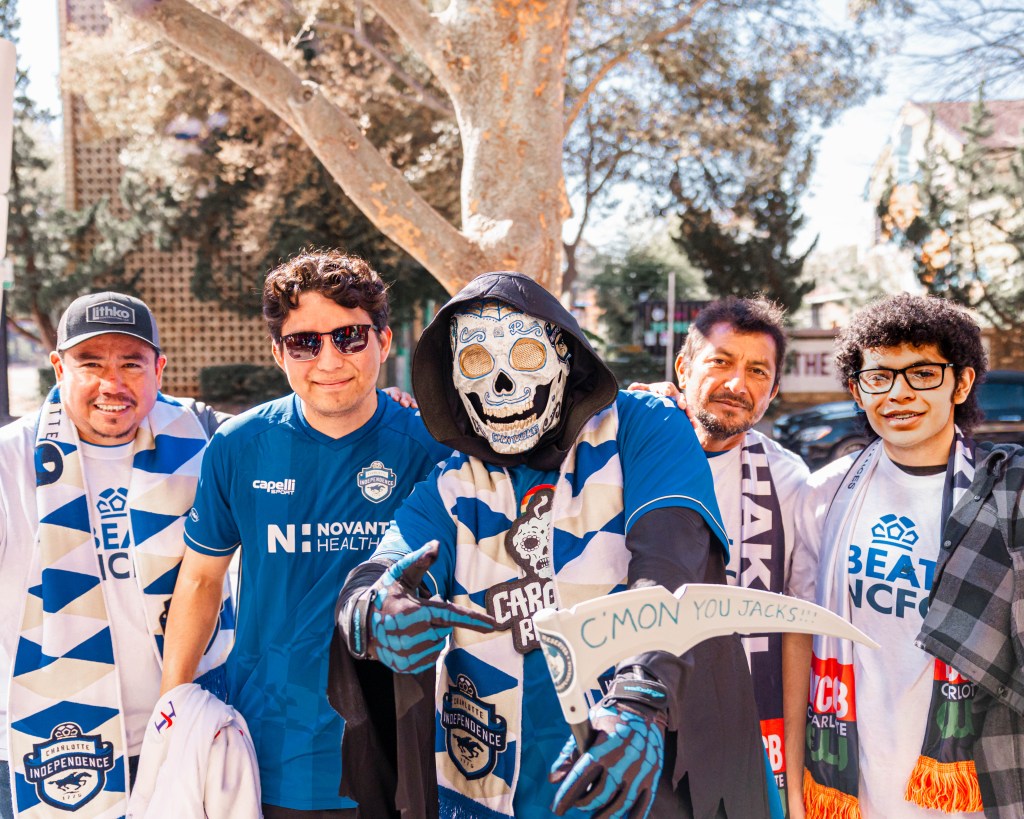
(18, 524)
(891, 561)
(108, 470)
(789, 474)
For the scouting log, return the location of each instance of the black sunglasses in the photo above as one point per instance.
(352, 338)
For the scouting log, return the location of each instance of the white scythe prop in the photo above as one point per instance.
(582, 642)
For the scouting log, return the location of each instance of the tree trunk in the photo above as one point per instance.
(508, 90)
(502, 62)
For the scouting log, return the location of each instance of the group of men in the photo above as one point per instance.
(537, 484)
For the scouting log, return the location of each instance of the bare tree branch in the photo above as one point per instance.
(23, 331)
(651, 39)
(420, 92)
(419, 29)
(373, 185)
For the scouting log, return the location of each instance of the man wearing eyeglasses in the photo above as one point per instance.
(306, 486)
(911, 540)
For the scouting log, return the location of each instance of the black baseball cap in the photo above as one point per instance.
(100, 313)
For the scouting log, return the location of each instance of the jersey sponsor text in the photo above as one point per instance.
(336, 536)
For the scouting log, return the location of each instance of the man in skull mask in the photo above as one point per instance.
(559, 492)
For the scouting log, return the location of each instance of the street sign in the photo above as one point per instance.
(658, 332)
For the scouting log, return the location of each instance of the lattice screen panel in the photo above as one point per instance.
(194, 334)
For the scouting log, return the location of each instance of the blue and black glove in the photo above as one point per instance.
(618, 773)
(393, 621)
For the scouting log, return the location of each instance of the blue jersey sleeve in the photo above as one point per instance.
(210, 527)
(663, 464)
(422, 517)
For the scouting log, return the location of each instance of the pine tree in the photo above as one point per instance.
(745, 248)
(967, 239)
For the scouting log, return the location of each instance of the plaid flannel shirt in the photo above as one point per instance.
(975, 620)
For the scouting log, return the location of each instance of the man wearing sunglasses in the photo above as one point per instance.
(911, 540)
(306, 486)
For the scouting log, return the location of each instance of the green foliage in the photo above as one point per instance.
(965, 227)
(57, 253)
(241, 384)
(720, 117)
(314, 212)
(621, 287)
(750, 251)
(244, 188)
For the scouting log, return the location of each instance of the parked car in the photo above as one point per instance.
(828, 431)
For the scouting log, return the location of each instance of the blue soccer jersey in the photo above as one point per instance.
(306, 509)
(663, 466)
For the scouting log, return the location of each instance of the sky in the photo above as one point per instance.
(834, 206)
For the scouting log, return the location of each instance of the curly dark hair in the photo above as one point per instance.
(917, 321)
(753, 315)
(346, 280)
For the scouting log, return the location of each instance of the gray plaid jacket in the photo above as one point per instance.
(975, 620)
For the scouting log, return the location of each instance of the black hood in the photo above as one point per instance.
(590, 387)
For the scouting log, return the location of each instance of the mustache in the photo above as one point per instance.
(746, 403)
(117, 399)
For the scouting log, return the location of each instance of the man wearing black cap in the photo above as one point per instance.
(93, 492)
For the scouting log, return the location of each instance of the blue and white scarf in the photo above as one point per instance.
(480, 683)
(67, 735)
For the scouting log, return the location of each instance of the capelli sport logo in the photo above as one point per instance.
(110, 312)
(285, 487)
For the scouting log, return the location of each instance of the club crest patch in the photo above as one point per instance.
(559, 659)
(528, 542)
(474, 734)
(71, 768)
(376, 482)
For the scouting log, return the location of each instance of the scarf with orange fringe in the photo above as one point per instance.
(944, 777)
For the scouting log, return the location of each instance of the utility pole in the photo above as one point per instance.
(8, 68)
(670, 329)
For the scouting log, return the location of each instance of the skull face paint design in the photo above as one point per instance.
(510, 370)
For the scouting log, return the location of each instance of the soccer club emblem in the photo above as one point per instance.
(71, 768)
(376, 482)
(559, 659)
(474, 733)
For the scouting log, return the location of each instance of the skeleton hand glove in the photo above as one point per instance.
(618, 774)
(393, 623)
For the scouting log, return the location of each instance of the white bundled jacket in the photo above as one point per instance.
(197, 761)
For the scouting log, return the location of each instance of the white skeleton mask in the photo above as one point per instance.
(510, 370)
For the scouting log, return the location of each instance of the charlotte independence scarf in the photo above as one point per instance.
(480, 685)
(762, 562)
(944, 777)
(67, 736)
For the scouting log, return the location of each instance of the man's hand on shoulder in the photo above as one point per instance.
(664, 388)
(404, 398)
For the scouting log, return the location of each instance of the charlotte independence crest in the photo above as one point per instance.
(474, 734)
(376, 481)
(70, 769)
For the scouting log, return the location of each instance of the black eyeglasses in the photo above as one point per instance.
(352, 338)
(919, 377)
